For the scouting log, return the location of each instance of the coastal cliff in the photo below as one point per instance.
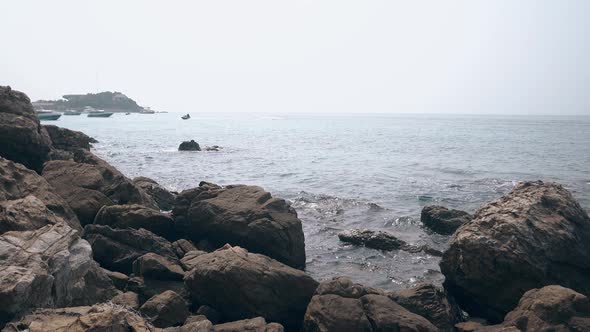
(84, 248)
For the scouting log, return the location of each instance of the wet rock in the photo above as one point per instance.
(100, 317)
(154, 266)
(91, 176)
(442, 220)
(66, 139)
(182, 246)
(212, 315)
(127, 299)
(165, 309)
(117, 249)
(163, 197)
(257, 324)
(245, 285)
(136, 216)
(536, 235)
(382, 241)
(48, 267)
(430, 302)
(240, 215)
(27, 201)
(21, 139)
(340, 305)
(189, 146)
(190, 259)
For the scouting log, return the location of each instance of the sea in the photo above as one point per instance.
(350, 171)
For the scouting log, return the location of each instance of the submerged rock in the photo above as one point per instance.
(21, 137)
(442, 220)
(136, 216)
(240, 215)
(534, 236)
(340, 305)
(245, 285)
(48, 267)
(431, 303)
(382, 241)
(189, 146)
(163, 197)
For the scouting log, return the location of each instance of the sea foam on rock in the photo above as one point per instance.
(534, 236)
(246, 216)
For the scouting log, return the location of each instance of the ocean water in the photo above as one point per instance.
(354, 171)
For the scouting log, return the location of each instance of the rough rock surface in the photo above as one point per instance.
(442, 220)
(190, 260)
(431, 303)
(27, 201)
(90, 176)
(119, 279)
(136, 216)
(340, 305)
(246, 216)
(198, 326)
(21, 138)
(245, 285)
(257, 324)
(117, 249)
(147, 288)
(163, 197)
(165, 309)
(382, 241)
(189, 146)
(97, 318)
(154, 266)
(210, 313)
(182, 246)
(127, 299)
(48, 267)
(534, 236)
(66, 139)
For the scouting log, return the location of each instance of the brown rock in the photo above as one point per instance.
(127, 299)
(66, 139)
(257, 324)
(165, 309)
(136, 216)
(154, 266)
(163, 197)
(182, 246)
(190, 259)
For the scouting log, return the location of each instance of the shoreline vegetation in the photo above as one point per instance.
(84, 248)
(108, 101)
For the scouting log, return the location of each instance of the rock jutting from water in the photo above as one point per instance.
(382, 241)
(444, 221)
(189, 146)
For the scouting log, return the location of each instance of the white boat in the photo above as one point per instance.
(72, 112)
(186, 117)
(147, 110)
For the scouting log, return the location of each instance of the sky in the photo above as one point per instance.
(369, 56)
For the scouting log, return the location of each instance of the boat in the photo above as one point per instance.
(70, 112)
(186, 117)
(147, 110)
(48, 115)
(99, 114)
(127, 113)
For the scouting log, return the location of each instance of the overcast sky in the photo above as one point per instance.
(525, 56)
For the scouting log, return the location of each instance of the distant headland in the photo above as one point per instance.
(108, 101)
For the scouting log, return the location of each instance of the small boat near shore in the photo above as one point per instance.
(99, 114)
(186, 117)
(147, 110)
(71, 112)
(48, 115)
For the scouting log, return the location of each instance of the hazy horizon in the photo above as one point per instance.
(428, 57)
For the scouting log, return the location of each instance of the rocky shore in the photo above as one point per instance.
(84, 248)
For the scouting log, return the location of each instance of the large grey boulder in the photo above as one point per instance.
(442, 220)
(136, 216)
(48, 267)
(246, 216)
(21, 137)
(340, 305)
(27, 201)
(246, 285)
(163, 197)
(117, 249)
(534, 236)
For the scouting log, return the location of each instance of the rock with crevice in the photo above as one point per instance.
(442, 220)
(163, 197)
(182, 246)
(382, 241)
(136, 216)
(165, 310)
(534, 236)
(244, 285)
(154, 266)
(190, 260)
(245, 216)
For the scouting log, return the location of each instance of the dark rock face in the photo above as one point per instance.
(245, 285)
(66, 139)
(189, 146)
(21, 139)
(442, 220)
(117, 249)
(431, 303)
(147, 288)
(89, 183)
(536, 235)
(182, 246)
(100, 317)
(136, 216)
(48, 267)
(212, 315)
(246, 216)
(27, 201)
(190, 260)
(164, 198)
(165, 309)
(154, 266)
(340, 305)
(257, 324)
(382, 241)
